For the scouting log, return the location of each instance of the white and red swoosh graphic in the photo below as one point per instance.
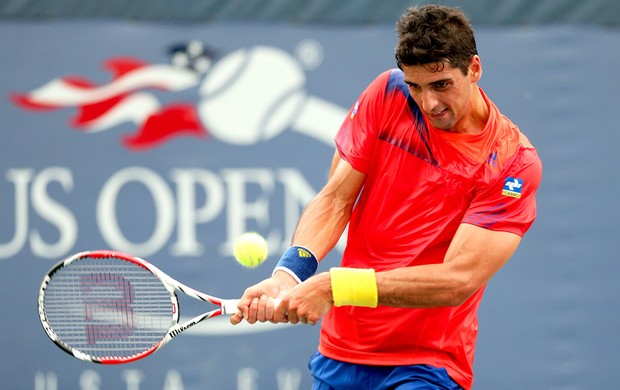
(101, 107)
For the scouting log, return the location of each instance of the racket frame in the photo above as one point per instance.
(225, 306)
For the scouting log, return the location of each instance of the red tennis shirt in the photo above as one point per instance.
(421, 184)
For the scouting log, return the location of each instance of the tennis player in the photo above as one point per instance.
(438, 188)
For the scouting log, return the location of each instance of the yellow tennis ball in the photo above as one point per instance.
(250, 249)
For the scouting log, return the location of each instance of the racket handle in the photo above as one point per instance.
(229, 306)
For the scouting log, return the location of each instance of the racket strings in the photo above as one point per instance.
(108, 307)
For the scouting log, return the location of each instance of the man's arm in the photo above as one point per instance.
(326, 216)
(319, 229)
(473, 257)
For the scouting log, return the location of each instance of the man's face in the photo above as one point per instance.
(447, 96)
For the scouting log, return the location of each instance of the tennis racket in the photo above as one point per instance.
(109, 307)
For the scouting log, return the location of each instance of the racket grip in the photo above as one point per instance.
(229, 306)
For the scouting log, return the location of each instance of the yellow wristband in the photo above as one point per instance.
(354, 287)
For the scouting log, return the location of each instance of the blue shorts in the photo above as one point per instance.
(329, 374)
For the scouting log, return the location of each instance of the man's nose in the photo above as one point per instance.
(429, 101)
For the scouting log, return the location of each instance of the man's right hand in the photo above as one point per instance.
(259, 301)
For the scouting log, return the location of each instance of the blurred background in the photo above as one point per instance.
(167, 128)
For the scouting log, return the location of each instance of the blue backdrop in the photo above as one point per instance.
(167, 141)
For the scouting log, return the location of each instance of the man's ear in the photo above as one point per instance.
(475, 68)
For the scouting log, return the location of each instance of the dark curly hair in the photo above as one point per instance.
(432, 35)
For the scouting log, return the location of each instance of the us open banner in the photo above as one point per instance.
(168, 141)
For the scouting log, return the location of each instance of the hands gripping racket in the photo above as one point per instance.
(109, 307)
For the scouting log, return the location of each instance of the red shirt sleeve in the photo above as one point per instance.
(509, 203)
(357, 136)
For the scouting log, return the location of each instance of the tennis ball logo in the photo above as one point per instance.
(252, 94)
(250, 249)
